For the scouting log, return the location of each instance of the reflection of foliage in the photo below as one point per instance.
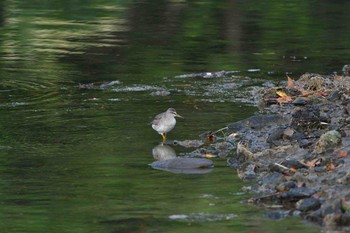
(296, 30)
(159, 38)
(36, 35)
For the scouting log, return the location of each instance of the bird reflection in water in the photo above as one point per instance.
(163, 152)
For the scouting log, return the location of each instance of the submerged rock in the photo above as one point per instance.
(184, 165)
(109, 84)
(217, 74)
(160, 93)
(189, 143)
(277, 214)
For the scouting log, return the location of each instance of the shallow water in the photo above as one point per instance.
(80, 82)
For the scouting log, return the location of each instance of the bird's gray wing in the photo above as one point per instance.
(156, 119)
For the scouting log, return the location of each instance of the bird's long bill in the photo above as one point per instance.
(179, 116)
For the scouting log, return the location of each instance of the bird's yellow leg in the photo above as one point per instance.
(164, 137)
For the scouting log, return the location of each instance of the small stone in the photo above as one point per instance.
(320, 169)
(300, 101)
(292, 163)
(308, 204)
(334, 96)
(298, 193)
(247, 172)
(288, 132)
(277, 214)
(273, 179)
(303, 143)
(286, 186)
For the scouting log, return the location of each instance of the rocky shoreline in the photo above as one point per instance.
(298, 150)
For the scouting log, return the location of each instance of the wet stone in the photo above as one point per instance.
(275, 135)
(273, 179)
(308, 204)
(300, 101)
(183, 163)
(304, 143)
(217, 74)
(246, 172)
(306, 118)
(298, 193)
(320, 169)
(286, 186)
(277, 214)
(334, 96)
(292, 163)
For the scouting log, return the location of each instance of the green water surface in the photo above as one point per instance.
(75, 159)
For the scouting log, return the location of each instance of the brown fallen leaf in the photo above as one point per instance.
(322, 93)
(293, 170)
(290, 82)
(331, 167)
(343, 153)
(311, 163)
(284, 99)
(339, 77)
(305, 93)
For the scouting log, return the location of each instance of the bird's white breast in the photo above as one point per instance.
(164, 126)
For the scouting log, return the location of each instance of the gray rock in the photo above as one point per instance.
(273, 179)
(184, 165)
(298, 193)
(308, 204)
(258, 122)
